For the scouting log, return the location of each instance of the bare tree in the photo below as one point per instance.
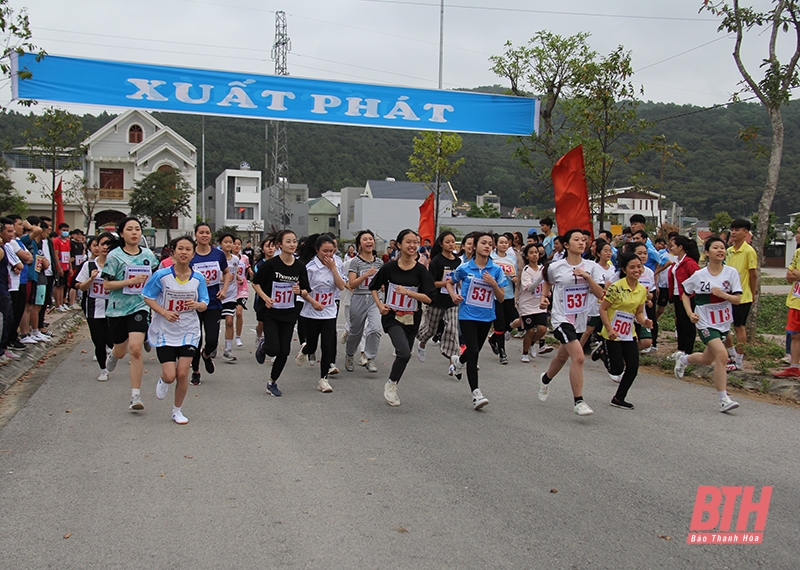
(86, 197)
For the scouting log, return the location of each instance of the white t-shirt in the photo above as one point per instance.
(233, 288)
(594, 302)
(12, 248)
(714, 312)
(663, 277)
(530, 295)
(648, 279)
(323, 290)
(570, 293)
(45, 251)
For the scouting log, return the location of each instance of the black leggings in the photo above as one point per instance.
(687, 331)
(651, 314)
(301, 322)
(325, 328)
(277, 343)
(209, 322)
(505, 314)
(623, 355)
(101, 338)
(402, 340)
(474, 333)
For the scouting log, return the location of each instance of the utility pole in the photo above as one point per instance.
(278, 162)
(437, 198)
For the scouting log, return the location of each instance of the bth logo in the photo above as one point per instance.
(713, 514)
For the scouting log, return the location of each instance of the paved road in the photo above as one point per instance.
(342, 480)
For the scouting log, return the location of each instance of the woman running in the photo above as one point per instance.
(505, 309)
(481, 285)
(276, 282)
(242, 288)
(715, 288)
(603, 259)
(532, 305)
(177, 295)
(406, 284)
(443, 263)
(125, 272)
(318, 254)
(212, 264)
(572, 279)
(95, 299)
(686, 251)
(622, 308)
(363, 316)
(648, 280)
(231, 292)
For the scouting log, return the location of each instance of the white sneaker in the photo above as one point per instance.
(583, 409)
(179, 418)
(390, 393)
(343, 336)
(525, 358)
(103, 376)
(323, 386)
(94, 358)
(312, 358)
(648, 350)
(4, 359)
(11, 355)
(456, 367)
(228, 356)
(28, 339)
(679, 368)
(543, 389)
(161, 389)
(41, 337)
(371, 366)
(478, 400)
(239, 341)
(136, 403)
(111, 362)
(787, 358)
(617, 378)
(362, 360)
(421, 352)
(726, 404)
(333, 369)
(300, 359)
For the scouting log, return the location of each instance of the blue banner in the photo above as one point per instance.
(171, 89)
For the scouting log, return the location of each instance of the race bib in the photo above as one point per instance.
(177, 300)
(646, 282)
(479, 294)
(63, 257)
(39, 263)
(132, 271)
(447, 274)
(323, 296)
(398, 302)
(796, 289)
(623, 325)
(79, 259)
(241, 271)
(282, 296)
(98, 290)
(367, 280)
(210, 270)
(715, 314)
(575, 299)
(538, 291)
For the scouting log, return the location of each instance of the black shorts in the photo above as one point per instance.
(242, 302)
(566, 333)
(173, 353)
(121, 326)
(533, 321)
(740, 313)
(60, 280)
(30, 292)
(229, 309)
(663, 296)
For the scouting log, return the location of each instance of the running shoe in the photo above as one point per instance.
(333, 369)
(323, 386)
(493, 344)
(545, 349)
(508, 336)
(228, 356)
(136, 403)
(261, 356)
(421, 352)
(40, 336)
(312, 358)
(348, 363)
(103, 376)
(615, 377)
(272, 388)
(436, 338)
(726, 404)
(648, 350)
(503, 356)
(208, 362)
(343, 336)
(11, 355)
(301, 358)
(456, 367)
(622, 404)
(28, 339)
(478, 400)
(787, 358)
(362, 360)
(732, 366)
(390, 393)
(371, 368)
(679, 368)
(161, 389)
(583, 409)
(525, 358)
(598, 352)
(239, 341)
(543, 388)
(4, 359)
(179, 418)
(17, 345)
(791, 372)
(111, 362)
(195, 379)
(147, 346)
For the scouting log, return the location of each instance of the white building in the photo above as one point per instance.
(622, 203)
(487, 199)
(238, 200)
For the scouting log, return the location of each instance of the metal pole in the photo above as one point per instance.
(441, 40)
(203, 174)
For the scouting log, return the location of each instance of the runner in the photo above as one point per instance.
(177, 295)
(364, 318)
(125, 272)
(442, 309)
(532, 306)
(243, 289)
(212, 264)
(318, 254)
(407, 284)
(481, 284)
(603, 259)
(715, 288)
(620, 309)
(283, 277)
(95, 298)
(229, 304)
(686, 251)
(648, 280)
(505, 310)
(572, 280)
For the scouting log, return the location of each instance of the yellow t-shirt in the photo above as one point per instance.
(624, 299)
(793, 300)
(743, 261)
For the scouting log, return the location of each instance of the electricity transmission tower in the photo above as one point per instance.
(277, 159)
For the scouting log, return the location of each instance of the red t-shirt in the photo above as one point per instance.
(62, 249)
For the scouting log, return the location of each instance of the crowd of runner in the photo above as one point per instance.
(601, 297)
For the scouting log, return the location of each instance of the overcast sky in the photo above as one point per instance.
(393, 41)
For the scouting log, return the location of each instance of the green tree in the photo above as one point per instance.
(10, 201)
(485, 211)
(15, 37)
(431, 163)
(773, 89)
(720, 223)
(160, 196)
(55, 144)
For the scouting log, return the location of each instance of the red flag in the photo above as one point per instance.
(59, 199)
(427, 227)
(572, 197)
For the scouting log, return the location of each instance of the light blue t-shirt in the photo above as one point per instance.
(165, 289)
(478, 303)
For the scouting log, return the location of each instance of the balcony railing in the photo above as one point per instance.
(114, 194)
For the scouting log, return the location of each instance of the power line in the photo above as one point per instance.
(683, 53)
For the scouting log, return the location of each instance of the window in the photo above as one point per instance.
(165, 168)
(243, 213)
(135, 134)
(299, 198)
(112, 178)
(331, 222)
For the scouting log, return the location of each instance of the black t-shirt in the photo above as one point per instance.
(391, 274)
(76, 249)
(439, 265)
(276, 271)
(5, 267)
